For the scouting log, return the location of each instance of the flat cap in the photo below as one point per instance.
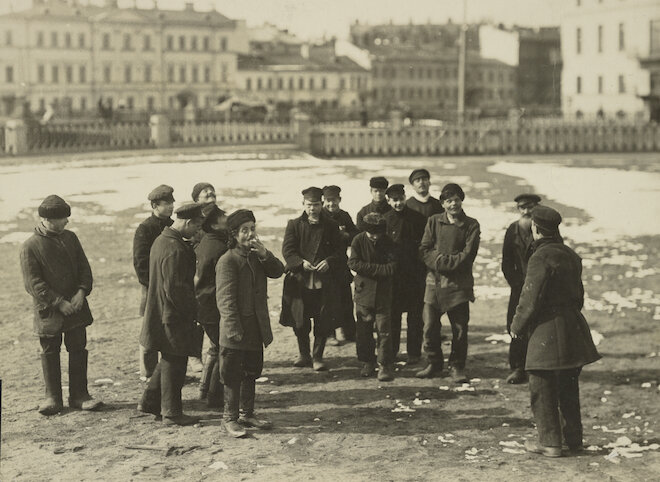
(378, 182)
(527, 197)
(546, 217)
(331, 191)
(162, 193)
(238, 217)
(189, 210)
(395, 190)
(54, 207)
(198, 188)
(374, 223)
(313, 194)
(418, 173)
(452, 189)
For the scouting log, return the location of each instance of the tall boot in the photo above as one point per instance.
(205, 378)
(304, 358)
(230, 416)
(317, 355)
(78, 395)
(50, 364)
(247, 417)
(215, 397)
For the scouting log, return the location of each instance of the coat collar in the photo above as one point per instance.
(42, 230)
(174, 234)
(163, 221)
(460, 219)
(547, 240)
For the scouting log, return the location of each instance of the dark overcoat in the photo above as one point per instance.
(171, 304)
(242, 298)
(145, 235)
(516, 250)
(373, 207)
(54, 268)
(375, 265)
(347, 230)
(313, 243)
(549, 311)
(429, 208)
(209, 250)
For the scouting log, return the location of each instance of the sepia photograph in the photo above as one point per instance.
(330, 240)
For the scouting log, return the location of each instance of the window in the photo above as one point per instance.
(223, 44)
(150, 103)
(82, 74)
(224, 72)
(147, 73)
(578, 40)
(106, 41)
(42, 104)
(54, 39)
(8, 38)
(259, 83)
(291, 84)
(81, 40)
(206, 44)
(280, 83)
(600, 38)
(41, 74)
(622, 37)
(248, 83)
(40, 39)
(311, 83)
(411, 72)
(193, 43)
(182, 73)
(207, 74)
(107, 74)
(269, 84)
(622, 84)
(491, 76)
(146, 42)
(67, 40)
(195, 74)
(130, 103)
(301, 83)
(68, 73)
(578, 87)
(127, 42)
(170, 73)
(342, 83)
(9, 74)
(324, 83)
(170, 42)
(600, 84)
(55, 74)
(83, 104)
(182, 43)
(128, 74)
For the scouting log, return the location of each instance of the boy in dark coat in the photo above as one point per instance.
(515, 252)
(315, 254)
(242, 299)
(406, 227)
(57, 275)
(169, 315)
(549, 316)
(374, 260)
(212, 245)
(347, 230)
(378, 204)
(449, 247)
(421, 201)
(162, 205)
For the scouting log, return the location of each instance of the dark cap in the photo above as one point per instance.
(418, 173)
(374, 223)
(189, 210)
(331, 191)
(54, 207)
(313, 194)
(238, 217)
(452, 189)
(211, 213)
(199, 187)
(546, 218)
(162, 193)
(378, 182)
(395, 190)
(527, 198)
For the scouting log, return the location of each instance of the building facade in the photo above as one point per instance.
(607, 52)
(68, 57)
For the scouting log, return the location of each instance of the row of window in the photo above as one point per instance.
(129, 42)
(291, 83)
(441, 73)
(600, 39)
(440, 93)
(600, 85)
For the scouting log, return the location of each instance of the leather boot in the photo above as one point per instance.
(317, 354)
(78, 395)
(52, 404)
(230, 416)
(304, 358)
(247, 417)
(205, 378)
(386, 373)
(432, 370)
(216, 394)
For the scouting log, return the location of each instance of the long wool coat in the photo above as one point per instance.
(375, 265)
(209, 250)
(549, 311)
(55, 267)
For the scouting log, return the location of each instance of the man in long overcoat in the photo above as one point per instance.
(560, 343)
(314, 254)
(169, 315)
(516, 250)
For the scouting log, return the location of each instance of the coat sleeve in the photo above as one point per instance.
(358, 220)
(205, 277)
(85, 279)
(531, 295)
(227, 298)
(357, 263)
(446, 263)
(427, 251)
(141, 247)
(178, 291)
(290, 248)
(508, 265)
(273, 267)
(34, 281)
(351, 229)
(338, 255)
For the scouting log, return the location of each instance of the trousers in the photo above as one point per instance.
(518, 346)
(459, 316)
(368, 350)
(165, 385)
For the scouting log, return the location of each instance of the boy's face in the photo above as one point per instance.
(422, 185)
(312, 208)
(332, 203)
(377, 194)
(397, 201)
(246, 233)
(56, 225)
(206, 196)
(374, 236)
(191, 227)
(453, 205)
(163, 209)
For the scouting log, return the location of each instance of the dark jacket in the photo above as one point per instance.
(347, 228)
(406, 229)
(54, 268)
(448, 251)
(145, 235)
(374, 265)
(428, 209)
(373, 207)
(515, 253)
(208, 252)
(171, 304)
(314, 243)
(549, 311)
(242, 298)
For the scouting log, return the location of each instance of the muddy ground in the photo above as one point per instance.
(336, 425)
